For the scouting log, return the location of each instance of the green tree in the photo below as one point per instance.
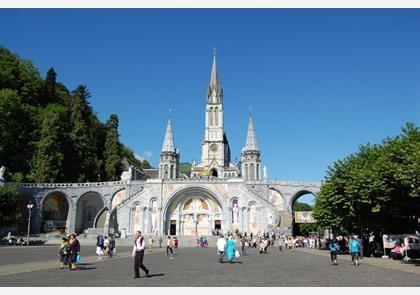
(9, 197)
(16, 127)
(50, 86)
(113, 150)
(375, 189)
(81, 135)
(49, 157)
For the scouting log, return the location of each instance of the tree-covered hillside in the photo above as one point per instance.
(51, 134)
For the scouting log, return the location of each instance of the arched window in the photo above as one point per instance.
(252, 171)
(166, 172)
(171, 172)
(246, 171)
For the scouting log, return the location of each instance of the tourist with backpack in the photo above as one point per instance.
(354, 249)
(333, 251)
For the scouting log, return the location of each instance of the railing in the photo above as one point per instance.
(65, 185)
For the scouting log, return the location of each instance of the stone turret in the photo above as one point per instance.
(169, 156)
(250, 156)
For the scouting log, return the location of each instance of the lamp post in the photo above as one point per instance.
(29, 206)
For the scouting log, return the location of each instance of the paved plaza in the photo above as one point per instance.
(38, 266)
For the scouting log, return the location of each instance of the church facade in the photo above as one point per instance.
(218, 194)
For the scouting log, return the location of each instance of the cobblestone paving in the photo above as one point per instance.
(199, 267)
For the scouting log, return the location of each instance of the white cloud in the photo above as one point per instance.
(146, 155)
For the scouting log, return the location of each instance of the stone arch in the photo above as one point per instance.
(118, 198)
(88, 207)
(172, 210)
(276, 198)
(100, 218)
(293, 200)
(55, 208)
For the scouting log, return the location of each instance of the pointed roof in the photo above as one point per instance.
(215, 88)
(169, 142)
(251, 139)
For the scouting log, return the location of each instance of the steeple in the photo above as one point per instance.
(168, 142)
(214, 92)
(251, 139)
(250, 156)
(169, 156)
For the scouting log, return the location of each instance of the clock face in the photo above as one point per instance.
(213, 148)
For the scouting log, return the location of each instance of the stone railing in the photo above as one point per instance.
(205, 178)
(294, 183)
(70, 185)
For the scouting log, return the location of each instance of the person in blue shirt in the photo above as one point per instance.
(354, 249)
(333, 251)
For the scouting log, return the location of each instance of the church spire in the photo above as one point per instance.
(215, 92)
(168, 142)
(251, 139)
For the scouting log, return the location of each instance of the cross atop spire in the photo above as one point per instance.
(215, 92)
(168, 142)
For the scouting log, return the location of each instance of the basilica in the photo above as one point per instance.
(218, 194)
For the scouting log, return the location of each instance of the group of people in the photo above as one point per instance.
(201, 242)
(227, 246)
(69, 252)
(105, 245)
(354, 247)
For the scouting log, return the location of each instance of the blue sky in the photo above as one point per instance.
(320, 81)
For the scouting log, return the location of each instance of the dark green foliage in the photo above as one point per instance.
(113, 150)
(302, 207)
(376, 189)
(48, 134)
(185, 168)
(50, 87)
(9, 198)
(49, 158)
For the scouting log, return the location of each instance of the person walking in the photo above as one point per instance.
(111, 247)
(106, 245)
(169, 245)
(243, 245)
(64, 252)
(138, 254)
(333, 251)
(221, 245)
(150, 244)
(230, 249)
(160, 241)
(74, 251)
(100, 246)
(354, 249)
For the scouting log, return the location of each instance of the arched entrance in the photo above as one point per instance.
(214, 172)
(55, 208)
(193, 211)
(302, 221)
(88, 207)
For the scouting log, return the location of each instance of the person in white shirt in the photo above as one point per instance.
(221, 245)
(169, 246)
(138, 254)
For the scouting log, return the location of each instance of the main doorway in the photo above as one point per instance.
(172, 230)
(218, 224)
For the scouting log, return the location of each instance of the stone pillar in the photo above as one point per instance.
(106, 225)
(243, 219)
(158, 221)
(71, 217)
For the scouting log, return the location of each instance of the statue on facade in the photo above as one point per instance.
(2, 171)
(154, 216)
(235, 209)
